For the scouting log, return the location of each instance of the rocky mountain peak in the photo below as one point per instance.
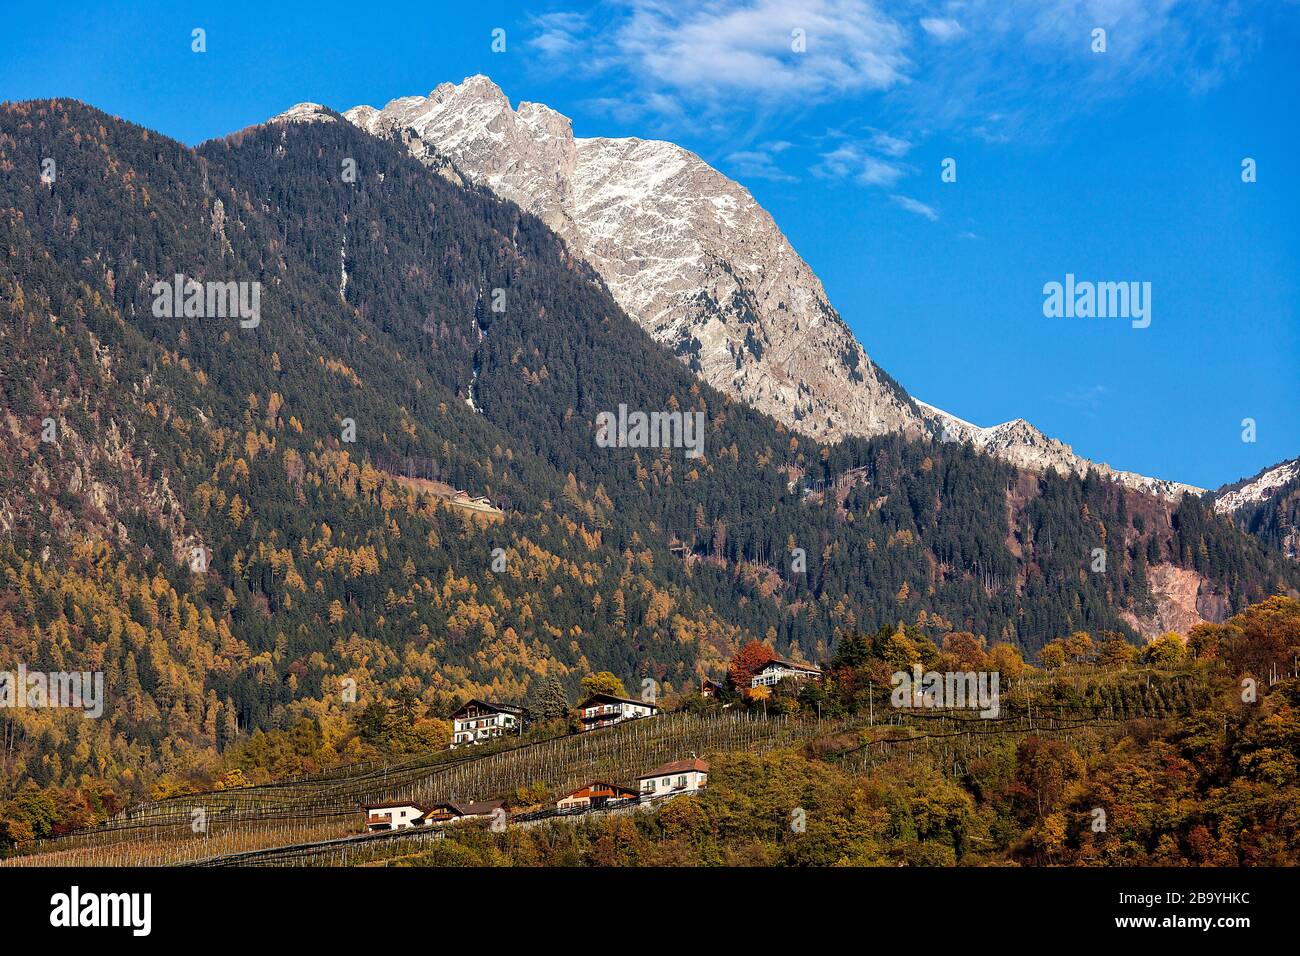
(685, 251)
(306, 113)
(690, 255)
(1250, 491)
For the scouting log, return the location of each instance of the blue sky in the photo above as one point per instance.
(1116, 165)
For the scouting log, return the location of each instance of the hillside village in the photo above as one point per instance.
(480, 721)
(756, 678)
(664, 782)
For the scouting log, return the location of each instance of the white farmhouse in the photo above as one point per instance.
(777, 670)
(479, 720)
(680, 776)
(605, 710)
(397, 815)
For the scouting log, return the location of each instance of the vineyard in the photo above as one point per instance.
(314, 821)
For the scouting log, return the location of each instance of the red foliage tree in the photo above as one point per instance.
(747, 662)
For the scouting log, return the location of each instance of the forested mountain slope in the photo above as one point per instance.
(690, 255)
(1267, 506)
(377, 311)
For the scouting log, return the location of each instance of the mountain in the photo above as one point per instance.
(1267, 506)
(1024, 446)
(698, 263)
(237, 518)
(684, 250)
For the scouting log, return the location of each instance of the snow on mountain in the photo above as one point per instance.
(306, 113)
(1024, 446)
(685, 251)
(1232, 498)
(696, 261)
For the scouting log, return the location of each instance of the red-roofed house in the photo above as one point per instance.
(595, 794)
(679, 776)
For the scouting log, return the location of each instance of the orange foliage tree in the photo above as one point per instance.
(747, 662)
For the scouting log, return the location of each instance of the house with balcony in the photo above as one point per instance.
(462, 812)
(395, 815)
(477, 721)
(605, 710)
(777, 670)
(679, 776)
(594, 795)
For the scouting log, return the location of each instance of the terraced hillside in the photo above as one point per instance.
(311, 821)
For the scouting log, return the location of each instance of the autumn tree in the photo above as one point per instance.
(1117, 652)
(747, 662)
(962, 650)
(1052, 655)
(1167, 650)
(603, 683)
(1006, 659)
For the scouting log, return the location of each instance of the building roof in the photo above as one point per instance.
(478, 809)
(614, 699)
(467, 809)
(617, 788)
(677, 766)
(393, 805)
(793, 665)
(488, 705)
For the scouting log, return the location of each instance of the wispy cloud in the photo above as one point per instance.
(1009, 69)
(760, 162)
(720, 54)
(1086, 399)
(855, 160)
(804, 50)
(559, 34)
(942, 29)
(888, 144)
(851, 160)
(991, 68)
(915, 206)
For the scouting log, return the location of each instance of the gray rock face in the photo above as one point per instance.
(697, 262)
(1253, 491)
(684, 250)
(1024, 446)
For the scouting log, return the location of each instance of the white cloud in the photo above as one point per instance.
(877, 172)
(559, 34)
(760, 164)
(889, 145)
(997, 69)
(913, 205)
(853, 160)
(703, 49)
(941, 28)
(1020, 68)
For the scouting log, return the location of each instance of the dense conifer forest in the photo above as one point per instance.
(390, 302)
